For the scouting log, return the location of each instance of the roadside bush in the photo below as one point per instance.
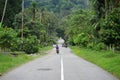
(100, 46)
(30, 45)
(30, 49)
(71, 42)
(7, 36)
(97, 46)
(16, 45)
(81, 39)
(90, 45)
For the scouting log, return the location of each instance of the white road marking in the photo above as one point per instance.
(62, 70)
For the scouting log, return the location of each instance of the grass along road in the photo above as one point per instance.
(106, 59)
(8, 61)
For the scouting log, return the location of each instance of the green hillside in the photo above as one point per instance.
(57, 5)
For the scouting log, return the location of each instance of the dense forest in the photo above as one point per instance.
(87, 23)
(97, 28)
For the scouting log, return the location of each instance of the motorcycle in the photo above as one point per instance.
(57, 51)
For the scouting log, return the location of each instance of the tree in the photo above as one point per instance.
(33, 29)
(111, 29)
(34, 8)
(78, 23)
(17, 20)
(13, 7)
(7, 36)
(107, 21)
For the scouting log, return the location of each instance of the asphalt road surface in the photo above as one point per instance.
(63, 66)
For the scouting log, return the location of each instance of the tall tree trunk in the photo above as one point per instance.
(22, 20)
(111, 5)
(34, 14)
(34, 7)
(106, 8)
(116, 3)
(42, 15)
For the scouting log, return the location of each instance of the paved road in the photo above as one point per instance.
(64, 66)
